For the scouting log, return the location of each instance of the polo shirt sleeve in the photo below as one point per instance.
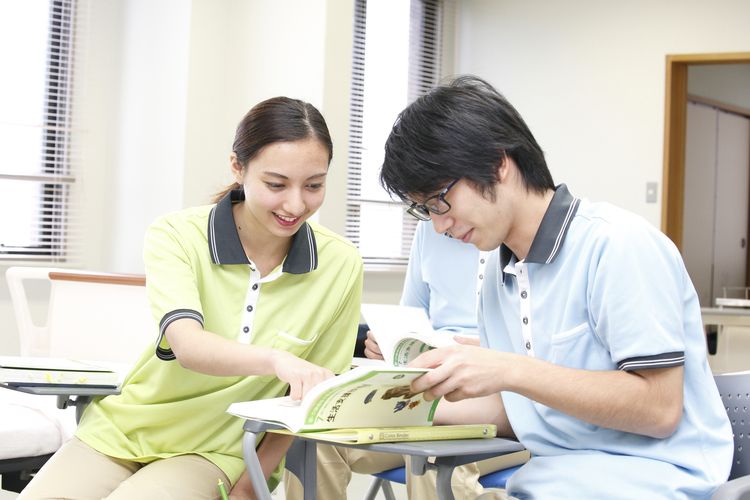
(637, 292)
(170, 279)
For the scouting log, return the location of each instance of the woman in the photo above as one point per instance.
(251, 300)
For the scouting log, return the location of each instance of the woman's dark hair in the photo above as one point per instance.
(459, 130)
(279, 119)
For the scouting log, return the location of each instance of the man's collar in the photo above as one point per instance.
(552, 230)
(225, 246)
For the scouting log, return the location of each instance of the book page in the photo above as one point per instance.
(284, 411)
(366, 396)
(30, 371)
(402, 332)
(42, 363)
(386, 319)
(377, 397)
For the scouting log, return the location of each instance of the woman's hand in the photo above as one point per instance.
(301, 375)
(372, 349)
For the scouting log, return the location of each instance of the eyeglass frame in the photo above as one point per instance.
(421, 211)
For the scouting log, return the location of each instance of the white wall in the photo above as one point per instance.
(241, 53)
(149, 152)
(160, 89)
(588, 76)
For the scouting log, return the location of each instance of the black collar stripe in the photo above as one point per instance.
(225, 246)
(563, 230)
(313, 256)
(550, 235)
(303, 254)
(212, 237)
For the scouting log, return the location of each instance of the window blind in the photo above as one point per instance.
(396, 58)
(37, 176)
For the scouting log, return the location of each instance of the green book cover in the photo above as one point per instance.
(398, 434)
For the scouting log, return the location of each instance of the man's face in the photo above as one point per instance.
(473, 217)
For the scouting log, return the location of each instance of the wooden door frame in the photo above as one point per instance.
(675, 126)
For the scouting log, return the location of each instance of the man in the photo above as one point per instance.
(591, 327)
(449, 295)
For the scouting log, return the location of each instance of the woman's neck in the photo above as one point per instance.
(266, 250)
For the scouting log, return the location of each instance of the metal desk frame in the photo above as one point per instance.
(302, 460)
(66, 395)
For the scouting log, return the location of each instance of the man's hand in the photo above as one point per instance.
(460, 372)
(372, 349)
(473, 340)
(301, 375)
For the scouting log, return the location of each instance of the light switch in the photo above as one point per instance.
(651, 194)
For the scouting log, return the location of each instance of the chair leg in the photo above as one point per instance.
(377, 485)
(372, 491)
(388, 491)
(16, 481)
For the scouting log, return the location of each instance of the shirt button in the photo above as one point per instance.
(255, 286)
(481, 261)
(528, 346)
(525, 321)
(245, 329)
(481, 276)
(524, 294)
(249, 308)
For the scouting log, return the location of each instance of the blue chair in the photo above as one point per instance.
(384, 479)
(735, 393)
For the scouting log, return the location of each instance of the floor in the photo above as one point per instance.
(357, 489)
(733, 344)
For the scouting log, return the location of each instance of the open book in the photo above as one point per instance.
(33, 371)
(397, 434)
(402, 332)
(366, 396)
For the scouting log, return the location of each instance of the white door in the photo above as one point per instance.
(698, 211)
(732, 182)
(717, 182)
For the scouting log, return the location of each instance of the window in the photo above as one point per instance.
(397, 54)
(36, 53)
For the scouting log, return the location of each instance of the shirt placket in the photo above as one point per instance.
(524, 305)
(251, 301)
(480, 272)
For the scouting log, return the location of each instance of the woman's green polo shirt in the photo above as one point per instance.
(196, 268)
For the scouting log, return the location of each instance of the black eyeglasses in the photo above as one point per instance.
(434, 204)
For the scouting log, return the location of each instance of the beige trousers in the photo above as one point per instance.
(336, 464)
(79, 472)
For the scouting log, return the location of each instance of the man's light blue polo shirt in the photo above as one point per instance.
(601, 289)
(443, 277)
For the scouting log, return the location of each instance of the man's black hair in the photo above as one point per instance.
(460, 130)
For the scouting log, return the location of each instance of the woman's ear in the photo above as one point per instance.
(238, 171)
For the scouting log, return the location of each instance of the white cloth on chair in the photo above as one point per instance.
(32, 425)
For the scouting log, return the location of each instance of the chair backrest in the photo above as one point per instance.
(735, 393)
(90, 316)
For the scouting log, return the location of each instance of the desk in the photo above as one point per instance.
(302, 460)
(66, 395)
(725, 316)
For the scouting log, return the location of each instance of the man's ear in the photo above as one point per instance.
(237, 170)
(502, 168)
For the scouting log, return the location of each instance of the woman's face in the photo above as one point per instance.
(284, 185)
